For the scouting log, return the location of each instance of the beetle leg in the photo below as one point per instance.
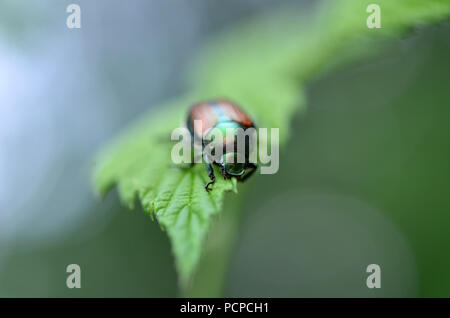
(222, 170)
(210, 170)
(253, 168)
(213, 179)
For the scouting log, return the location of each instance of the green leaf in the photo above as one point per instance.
(139, 163)
(263, 65)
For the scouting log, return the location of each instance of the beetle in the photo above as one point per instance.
(222, 114)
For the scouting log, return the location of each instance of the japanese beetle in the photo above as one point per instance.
(222, 115)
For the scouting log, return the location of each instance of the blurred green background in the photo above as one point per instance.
(362, 180)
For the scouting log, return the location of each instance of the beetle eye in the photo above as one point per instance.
(234, 169)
